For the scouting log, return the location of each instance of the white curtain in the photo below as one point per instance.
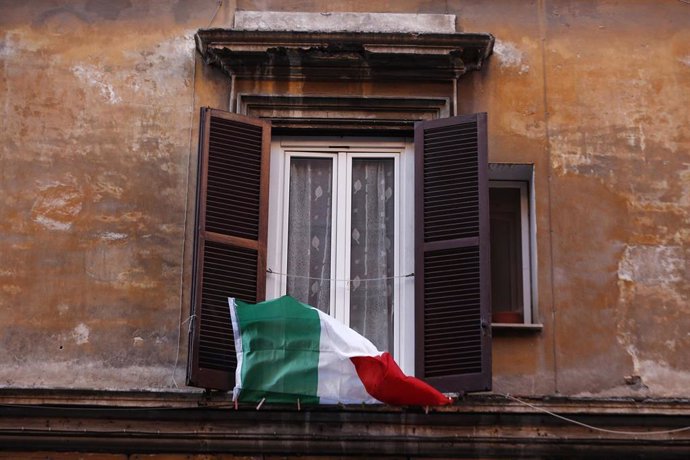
(309, 231)
(371, 255)
(371, 241)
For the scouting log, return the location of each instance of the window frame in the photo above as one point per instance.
(344, 150)
(451, 285)
(521, 176)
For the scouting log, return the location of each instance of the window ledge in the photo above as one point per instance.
(533, 327)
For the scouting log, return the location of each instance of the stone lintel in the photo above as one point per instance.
(344, 22)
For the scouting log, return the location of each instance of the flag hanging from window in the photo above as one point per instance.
(289, 352)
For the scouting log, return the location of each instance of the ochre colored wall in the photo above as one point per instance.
(100, 107)
(97, 101)
(596, 95)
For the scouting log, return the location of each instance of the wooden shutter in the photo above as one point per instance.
(230, 238)
(452, 273)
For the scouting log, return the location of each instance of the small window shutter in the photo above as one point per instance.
(230, 238)
(452, 273)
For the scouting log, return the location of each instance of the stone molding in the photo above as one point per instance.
(484, 425)
(344, 22)
(343, 113)
(343, 56)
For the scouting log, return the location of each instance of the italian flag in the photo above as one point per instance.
(289, 352)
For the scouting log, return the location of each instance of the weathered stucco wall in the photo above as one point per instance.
(100, 103)
(97, 108)
(596, 94)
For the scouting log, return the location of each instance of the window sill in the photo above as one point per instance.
(521, 327)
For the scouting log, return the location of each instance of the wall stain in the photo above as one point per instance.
(107, 9)
(60, 18)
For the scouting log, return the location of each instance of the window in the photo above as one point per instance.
(434, 196)
(511, 210)
(339, 220)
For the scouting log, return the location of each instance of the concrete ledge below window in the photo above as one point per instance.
(535, 327)
(475, 426)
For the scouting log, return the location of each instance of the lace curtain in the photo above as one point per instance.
(309, 231)
(371, 241)
(371, 250)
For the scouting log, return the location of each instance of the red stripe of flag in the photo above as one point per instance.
(385, 381)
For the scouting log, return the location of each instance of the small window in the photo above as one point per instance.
(512, 236)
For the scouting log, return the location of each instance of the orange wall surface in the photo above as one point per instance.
(100, 104)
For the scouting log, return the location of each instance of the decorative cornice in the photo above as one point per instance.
(343, 55)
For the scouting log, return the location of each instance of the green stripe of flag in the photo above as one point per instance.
(280, 342)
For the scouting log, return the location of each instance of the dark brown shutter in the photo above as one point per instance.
(452, 273)
(230, 238)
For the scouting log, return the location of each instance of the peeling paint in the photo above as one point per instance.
(510, 56)
(96, 78)
(161, 71)
(136, 278)
(57, 206)
(109, 184)
(663, 379)
(634, 354)
(81, 334)
(652, 264)
(113, 236)
(17, 42)
(671, 344)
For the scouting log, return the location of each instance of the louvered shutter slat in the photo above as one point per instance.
(452, 254)
(230, 242)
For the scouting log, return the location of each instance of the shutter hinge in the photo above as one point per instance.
(484, 324)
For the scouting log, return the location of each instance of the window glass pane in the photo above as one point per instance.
(372, 250)
(309, 231)
(506, 255)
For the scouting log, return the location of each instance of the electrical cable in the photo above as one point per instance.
(220, 3)
(230, 405)
(409, 275)
(595, 428)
